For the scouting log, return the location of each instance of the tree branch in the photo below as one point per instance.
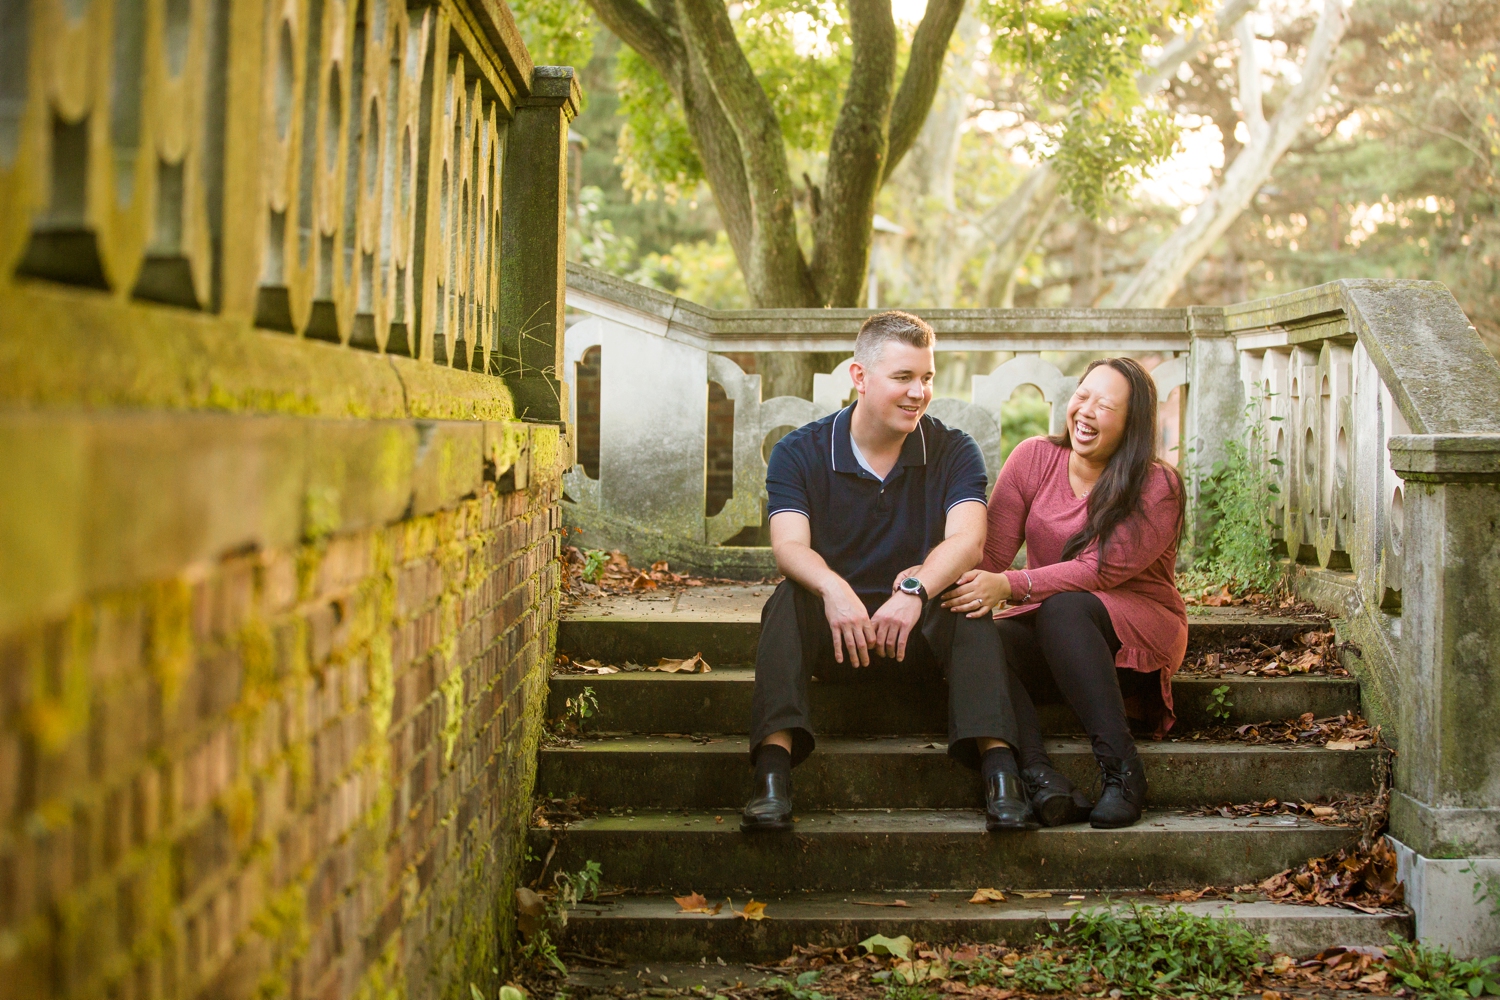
(924, 68)
(1162, 274)
(856, 155)
(645, 32)
(1188, 44)
(1251, 107)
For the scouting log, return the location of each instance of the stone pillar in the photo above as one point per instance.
(1216, 396)
(533, 225)
(1445, 809)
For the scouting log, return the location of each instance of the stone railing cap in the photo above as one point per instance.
(1446, 457)
(556, 85)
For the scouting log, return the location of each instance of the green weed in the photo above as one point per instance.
(1435, 972)
(799, 988)
(1145, 951)
(594, 561)
(1231, 542)
(580, 707)
(1218, 703)
(569, 891)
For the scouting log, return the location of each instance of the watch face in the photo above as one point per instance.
(911, 585)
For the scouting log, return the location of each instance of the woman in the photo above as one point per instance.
(1097, 602)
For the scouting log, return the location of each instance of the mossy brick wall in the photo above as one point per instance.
(300, 771)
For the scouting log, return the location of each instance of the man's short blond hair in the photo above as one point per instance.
(883, 328)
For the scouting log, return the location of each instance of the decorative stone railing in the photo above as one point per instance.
(1382, 408)
(331, 169)
(658, 355)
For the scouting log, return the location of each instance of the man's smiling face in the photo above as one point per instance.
(897, 388)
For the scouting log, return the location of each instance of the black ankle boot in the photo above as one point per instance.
(771, 807)
(1054, 800)
(1005, 805)
(1124, 794)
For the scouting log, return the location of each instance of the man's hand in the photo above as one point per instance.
(849, 622)
(893, 623)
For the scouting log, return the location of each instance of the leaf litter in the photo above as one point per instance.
(1315, 653)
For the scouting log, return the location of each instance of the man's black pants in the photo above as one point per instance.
(796, 643)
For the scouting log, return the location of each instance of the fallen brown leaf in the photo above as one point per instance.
(695, 903)
(694, 664)
(752, 911)
(987, 896)
(897, 902)
(1036, 895)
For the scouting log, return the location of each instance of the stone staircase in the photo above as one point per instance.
(884, 816)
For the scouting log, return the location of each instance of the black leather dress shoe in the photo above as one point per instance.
(1124, 794)
(1005, 805)
(771, 808)
(1054, 800)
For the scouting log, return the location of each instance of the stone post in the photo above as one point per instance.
(533, 232)
(1216, 397)
(1445, 809)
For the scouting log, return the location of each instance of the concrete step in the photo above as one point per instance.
(719, 702)
(723, 623)
(916, 773)
(871, 851)
(650, 927)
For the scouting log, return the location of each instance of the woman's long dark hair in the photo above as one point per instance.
(1117, 494)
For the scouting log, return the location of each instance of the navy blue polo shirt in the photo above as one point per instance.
(866, 529)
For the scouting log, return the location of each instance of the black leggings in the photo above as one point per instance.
(1066, 648)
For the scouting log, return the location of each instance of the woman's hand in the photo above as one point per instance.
(977, 593)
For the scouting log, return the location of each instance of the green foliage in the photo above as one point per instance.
(1081, 59)
(556, 32)
(1157, 951)
(895, 989)
(1231, 542)
(578, 708)
(569, 891)
(1218, 704)
(1486, 888)
(704, 272)
(594, 561)
(799, 988)
(1435, 972)
(879, 944)
(1024, 415)
(656, 154)
(805, 82)
(1145, 951)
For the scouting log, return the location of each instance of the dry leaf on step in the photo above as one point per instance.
(1036, 895)
(1348, 744)
(987, 896)
(695, 903)
(898, 902)
(752, 911)
(694, 664)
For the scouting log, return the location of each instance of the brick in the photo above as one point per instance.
(119, 638)
(146, 805)
(277, 580)
(221, 679)
(233, 595)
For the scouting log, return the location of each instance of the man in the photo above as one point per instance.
(875, 492)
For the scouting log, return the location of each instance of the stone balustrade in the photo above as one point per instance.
(330, 169)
